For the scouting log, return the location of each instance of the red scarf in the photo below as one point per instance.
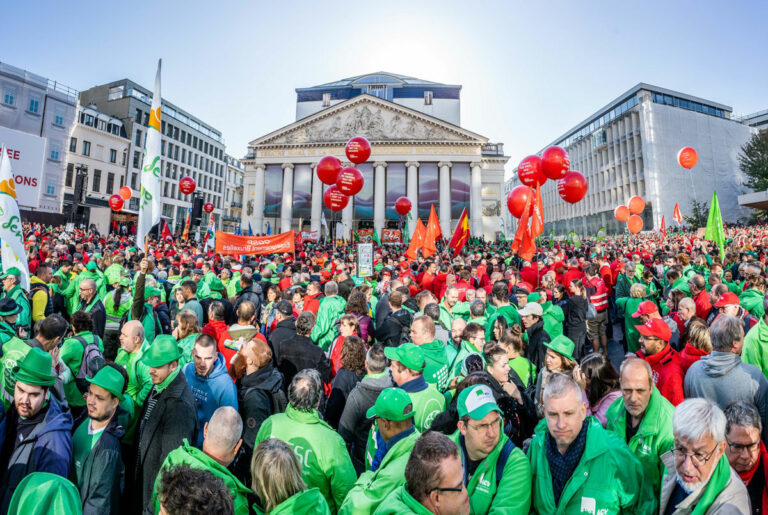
(747, 476)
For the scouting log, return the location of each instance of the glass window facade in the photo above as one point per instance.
(273, 190)
(459, 189)
(428, 189)
(302, 191)
(364, 199)
(395, 188)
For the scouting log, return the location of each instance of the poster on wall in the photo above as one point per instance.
(391, 236)
(365, 235)
(364, 259)
(26, 153)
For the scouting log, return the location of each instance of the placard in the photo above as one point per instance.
(364, 259)
(26, 152)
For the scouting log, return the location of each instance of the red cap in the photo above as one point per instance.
(645, 308)
(727, 299)
(656, 327)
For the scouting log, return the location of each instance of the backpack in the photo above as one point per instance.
(502, 459)
(405, 332)
(92, 362)
(277, 400)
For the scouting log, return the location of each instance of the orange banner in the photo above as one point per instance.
(229, 244)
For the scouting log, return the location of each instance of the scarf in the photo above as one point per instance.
(562, 466)
(715, 485)
(168, 380)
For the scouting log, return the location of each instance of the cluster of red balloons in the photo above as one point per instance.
(344, 182)
(630, 214)
(116, 202)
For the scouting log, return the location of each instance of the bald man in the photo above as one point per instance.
(91, 304)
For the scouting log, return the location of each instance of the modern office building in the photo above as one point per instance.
(233, 195)
(36, 116)
(758, 120)
(190, 147)
(419, 151)
(630, 147)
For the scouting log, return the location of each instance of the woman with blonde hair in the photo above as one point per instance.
(697, 343)
(277, 482)
(186, 332)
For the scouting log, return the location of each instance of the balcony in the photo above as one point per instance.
(493, 149)
(228, 218)
(237, 205)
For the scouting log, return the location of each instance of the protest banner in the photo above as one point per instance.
(229, 244)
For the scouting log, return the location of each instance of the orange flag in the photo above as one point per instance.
(677, 215)
(417, 240)
(461, 235)
(537, 220)
(663, 229)
(522, 227)
(432, 234)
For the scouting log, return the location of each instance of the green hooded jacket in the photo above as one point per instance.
(400, 502)
(42, 493)
(512, 495)
(607, 479)
(197, 459)
(25, 316)
(139, 386)
(509, 312)
(465, 349)
(113, 273)
(459, 310)
(653, 438)
(14, 352)
(752, 301)
(623, 284)
(629, 305)
(372, 487)
(437, 370)
(330, 310)
(308, 502)
(553, 319)
(321, 451)
(755, 349)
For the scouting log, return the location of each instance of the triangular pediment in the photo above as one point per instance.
(380, 121)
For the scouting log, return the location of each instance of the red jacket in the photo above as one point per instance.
(215, 328)
(463, 287)
(703, 304)
(668, 375)
(690, 355)
(600, 296)
(573, 273)
(312, 303)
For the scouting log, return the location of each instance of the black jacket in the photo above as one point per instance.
(254, 294)
(254, 402)
(100, 484)
(345, 288)
(388, 333)
(164, 316)
(284, 330)
(99, 317)
(173, 419)
(298, 353)
(344, 382)
(536, 351)
(382, 309)
(519, 419)
(575, 322)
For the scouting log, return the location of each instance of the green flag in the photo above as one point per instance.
(376, 237)
(601, 234)
(715, 231)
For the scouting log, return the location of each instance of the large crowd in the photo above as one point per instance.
(611, 375)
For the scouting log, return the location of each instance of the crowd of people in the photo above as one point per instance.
(620, 375)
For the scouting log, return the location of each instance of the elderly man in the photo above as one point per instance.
(698, 475)
(577, 465)
(139, 381)
(91, 304)
(722, 377)
(423, 335)
(642, 417)
(746, 453)
(330, 310)
(321, 451)
(497, 475)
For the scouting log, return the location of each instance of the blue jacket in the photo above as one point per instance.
(210, 392)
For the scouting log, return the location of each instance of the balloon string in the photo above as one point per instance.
(693, 186)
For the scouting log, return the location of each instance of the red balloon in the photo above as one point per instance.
(572, 187)
(358, 150)
(187, 185)
(350, 181)
(636, 205)
(403, 206)
(635, 224)
(517, 199)
(621, 213)
(529, 171)
(687, 157)
(116, 202)
(125, 192)
(334, 199)
(328, 169)
(555, 162)
(208, 207)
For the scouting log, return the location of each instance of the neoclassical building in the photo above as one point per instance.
(419, 151)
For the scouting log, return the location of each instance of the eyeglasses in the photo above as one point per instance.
(486, 427)
(439, 489)
(698, 459)
(739, 447)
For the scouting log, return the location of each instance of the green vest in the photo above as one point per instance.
(14, 352)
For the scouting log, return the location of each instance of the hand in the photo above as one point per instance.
(144, 266)
(580, 378)
(513, 391)
(55, 355)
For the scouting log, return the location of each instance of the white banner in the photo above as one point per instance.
(151, 174)
(26, 152)
(12, 253)
(310, 235)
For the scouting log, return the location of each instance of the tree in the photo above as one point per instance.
(753, 162)
(699, 214)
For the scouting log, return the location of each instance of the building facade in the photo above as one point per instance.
(36, 113)
(190, 147)
(428, 159)
(233, 195)
(630, 147)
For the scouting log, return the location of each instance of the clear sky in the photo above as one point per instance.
(530, 70)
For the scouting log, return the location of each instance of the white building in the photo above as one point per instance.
(418, 151)
(630, 147)
(233, 196)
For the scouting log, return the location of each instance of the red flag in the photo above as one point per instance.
(677, 215)
(432, 234)
(528, 248)
(185, 234)
(663, 229)
(537, 214)
(417, 240)
(522, 227)
(167, 236)
(461, 234)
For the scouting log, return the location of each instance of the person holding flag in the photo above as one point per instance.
(149, 196)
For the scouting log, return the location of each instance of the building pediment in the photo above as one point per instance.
(380, 121)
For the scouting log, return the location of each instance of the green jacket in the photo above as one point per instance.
(755, 349)
(509, 312)
(113, 273)
(401, 502)
(752, 301)
(14, 351)
(426, 406)
(682, 285)
(512, 495)
(629, 305)
(553, 319)
(308, 502)
(372, 487)
(459, 310)
(72, 355)
(437, 370)
(623, 284)
(72, 293)
(330, 310)
(465, 350)
(653, 438)
(321, 451)
(608, 478)
(139, 386)
(25, 316)
(197, 459)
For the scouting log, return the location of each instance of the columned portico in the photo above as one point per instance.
(444, 213)
(258, 200)
(412, 182)
(379, 195)
(317, 201)
(475, 198)
(287, 204)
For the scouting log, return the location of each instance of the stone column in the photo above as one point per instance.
(317, 201)
(379, 196)
(444, 210)
(347, 215)
(286, 209)
(476, 200)
(258, 201)
(412, 189)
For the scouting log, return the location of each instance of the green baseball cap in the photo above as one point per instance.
(562, 345)
(35, 369)
(109, 379)
(409, 354)
(216, 284)
(124, 281)
(11, 271)
(476, 402)
(392, 404)
(534, 297)
(164, 349)
(91, 266)
(151, 291)
(132, 249)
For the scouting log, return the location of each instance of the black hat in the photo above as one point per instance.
(8, 307)
(284, 307)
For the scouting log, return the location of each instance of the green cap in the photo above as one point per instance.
(44, 492)
(562, 345)
(91, 266)
(534, 297)
(409, 354)
(96, 255)
(476, 401)
(109, 379)
(216, 284)
(11, 271)
(151, 291)
(392, 404)
(132, 249)
(164, 349)
(35, 369)
(124, 281)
